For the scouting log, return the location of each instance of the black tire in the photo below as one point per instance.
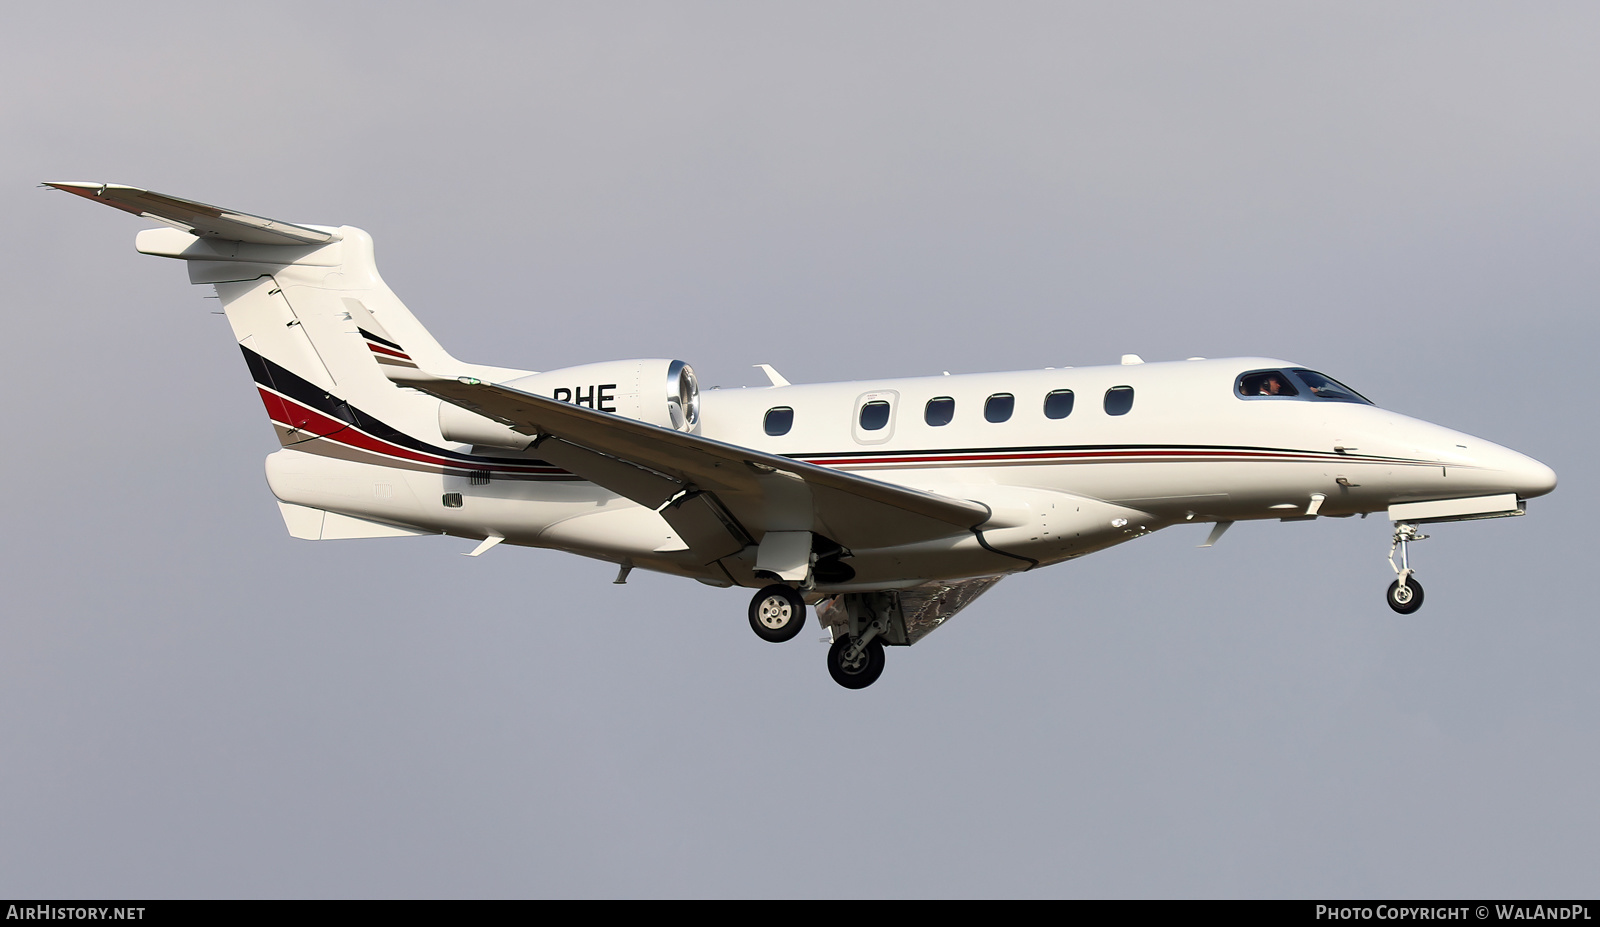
(1407, 601)
(855, 677)
(777, 613)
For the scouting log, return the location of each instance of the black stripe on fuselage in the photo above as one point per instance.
(383, 341)
(869, 456)
(281, 380)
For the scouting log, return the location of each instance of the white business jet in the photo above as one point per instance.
(886, 506)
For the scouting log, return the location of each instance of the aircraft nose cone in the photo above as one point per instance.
(1500, 469)
(1533, 478)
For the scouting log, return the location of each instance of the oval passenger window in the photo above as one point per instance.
(1119, 399)
(999, 407)
(1058, 404)
(779, 421)
(874, 415)
(939, 411)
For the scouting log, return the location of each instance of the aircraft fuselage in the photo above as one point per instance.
(1189, 448)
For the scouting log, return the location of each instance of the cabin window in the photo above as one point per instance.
(874, 415)
(998, 407)
(1266, 383)
(939, 411)
(1058, 404)
(779, 421)
(1119, 399)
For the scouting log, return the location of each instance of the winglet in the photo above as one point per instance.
(197, 219)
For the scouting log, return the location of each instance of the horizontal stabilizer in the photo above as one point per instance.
(196, 218)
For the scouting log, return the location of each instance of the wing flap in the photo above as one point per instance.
(646, 487)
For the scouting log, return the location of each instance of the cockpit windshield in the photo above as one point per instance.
(1326, 387)
(1294, 383)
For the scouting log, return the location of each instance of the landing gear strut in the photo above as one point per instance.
(777, 613)
(1405, 593)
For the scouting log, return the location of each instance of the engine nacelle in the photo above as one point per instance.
(661, 392)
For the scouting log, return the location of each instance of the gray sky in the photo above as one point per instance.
(1403, 195)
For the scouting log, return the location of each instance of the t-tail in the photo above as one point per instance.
(317, 327)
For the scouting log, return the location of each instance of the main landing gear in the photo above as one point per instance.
(777, 613)
(870, 621)
(1405, 593)
(855, 662)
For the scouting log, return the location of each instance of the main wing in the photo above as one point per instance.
(720, 498)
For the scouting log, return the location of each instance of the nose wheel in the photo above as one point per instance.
(1405, 599)
(1405, 593)
(777, 613)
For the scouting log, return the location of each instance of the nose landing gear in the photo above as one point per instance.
(1405, 593)
(1405, 599)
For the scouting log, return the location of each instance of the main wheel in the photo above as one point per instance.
(864, 672)
(1405, 599)
(777, 613)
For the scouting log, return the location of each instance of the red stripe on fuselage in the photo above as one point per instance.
(294, 415)
(380, 349)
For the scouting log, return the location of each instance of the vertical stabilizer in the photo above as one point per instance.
(315, 321)
(318, 328)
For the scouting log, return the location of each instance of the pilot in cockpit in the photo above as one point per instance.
(1272, 384)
